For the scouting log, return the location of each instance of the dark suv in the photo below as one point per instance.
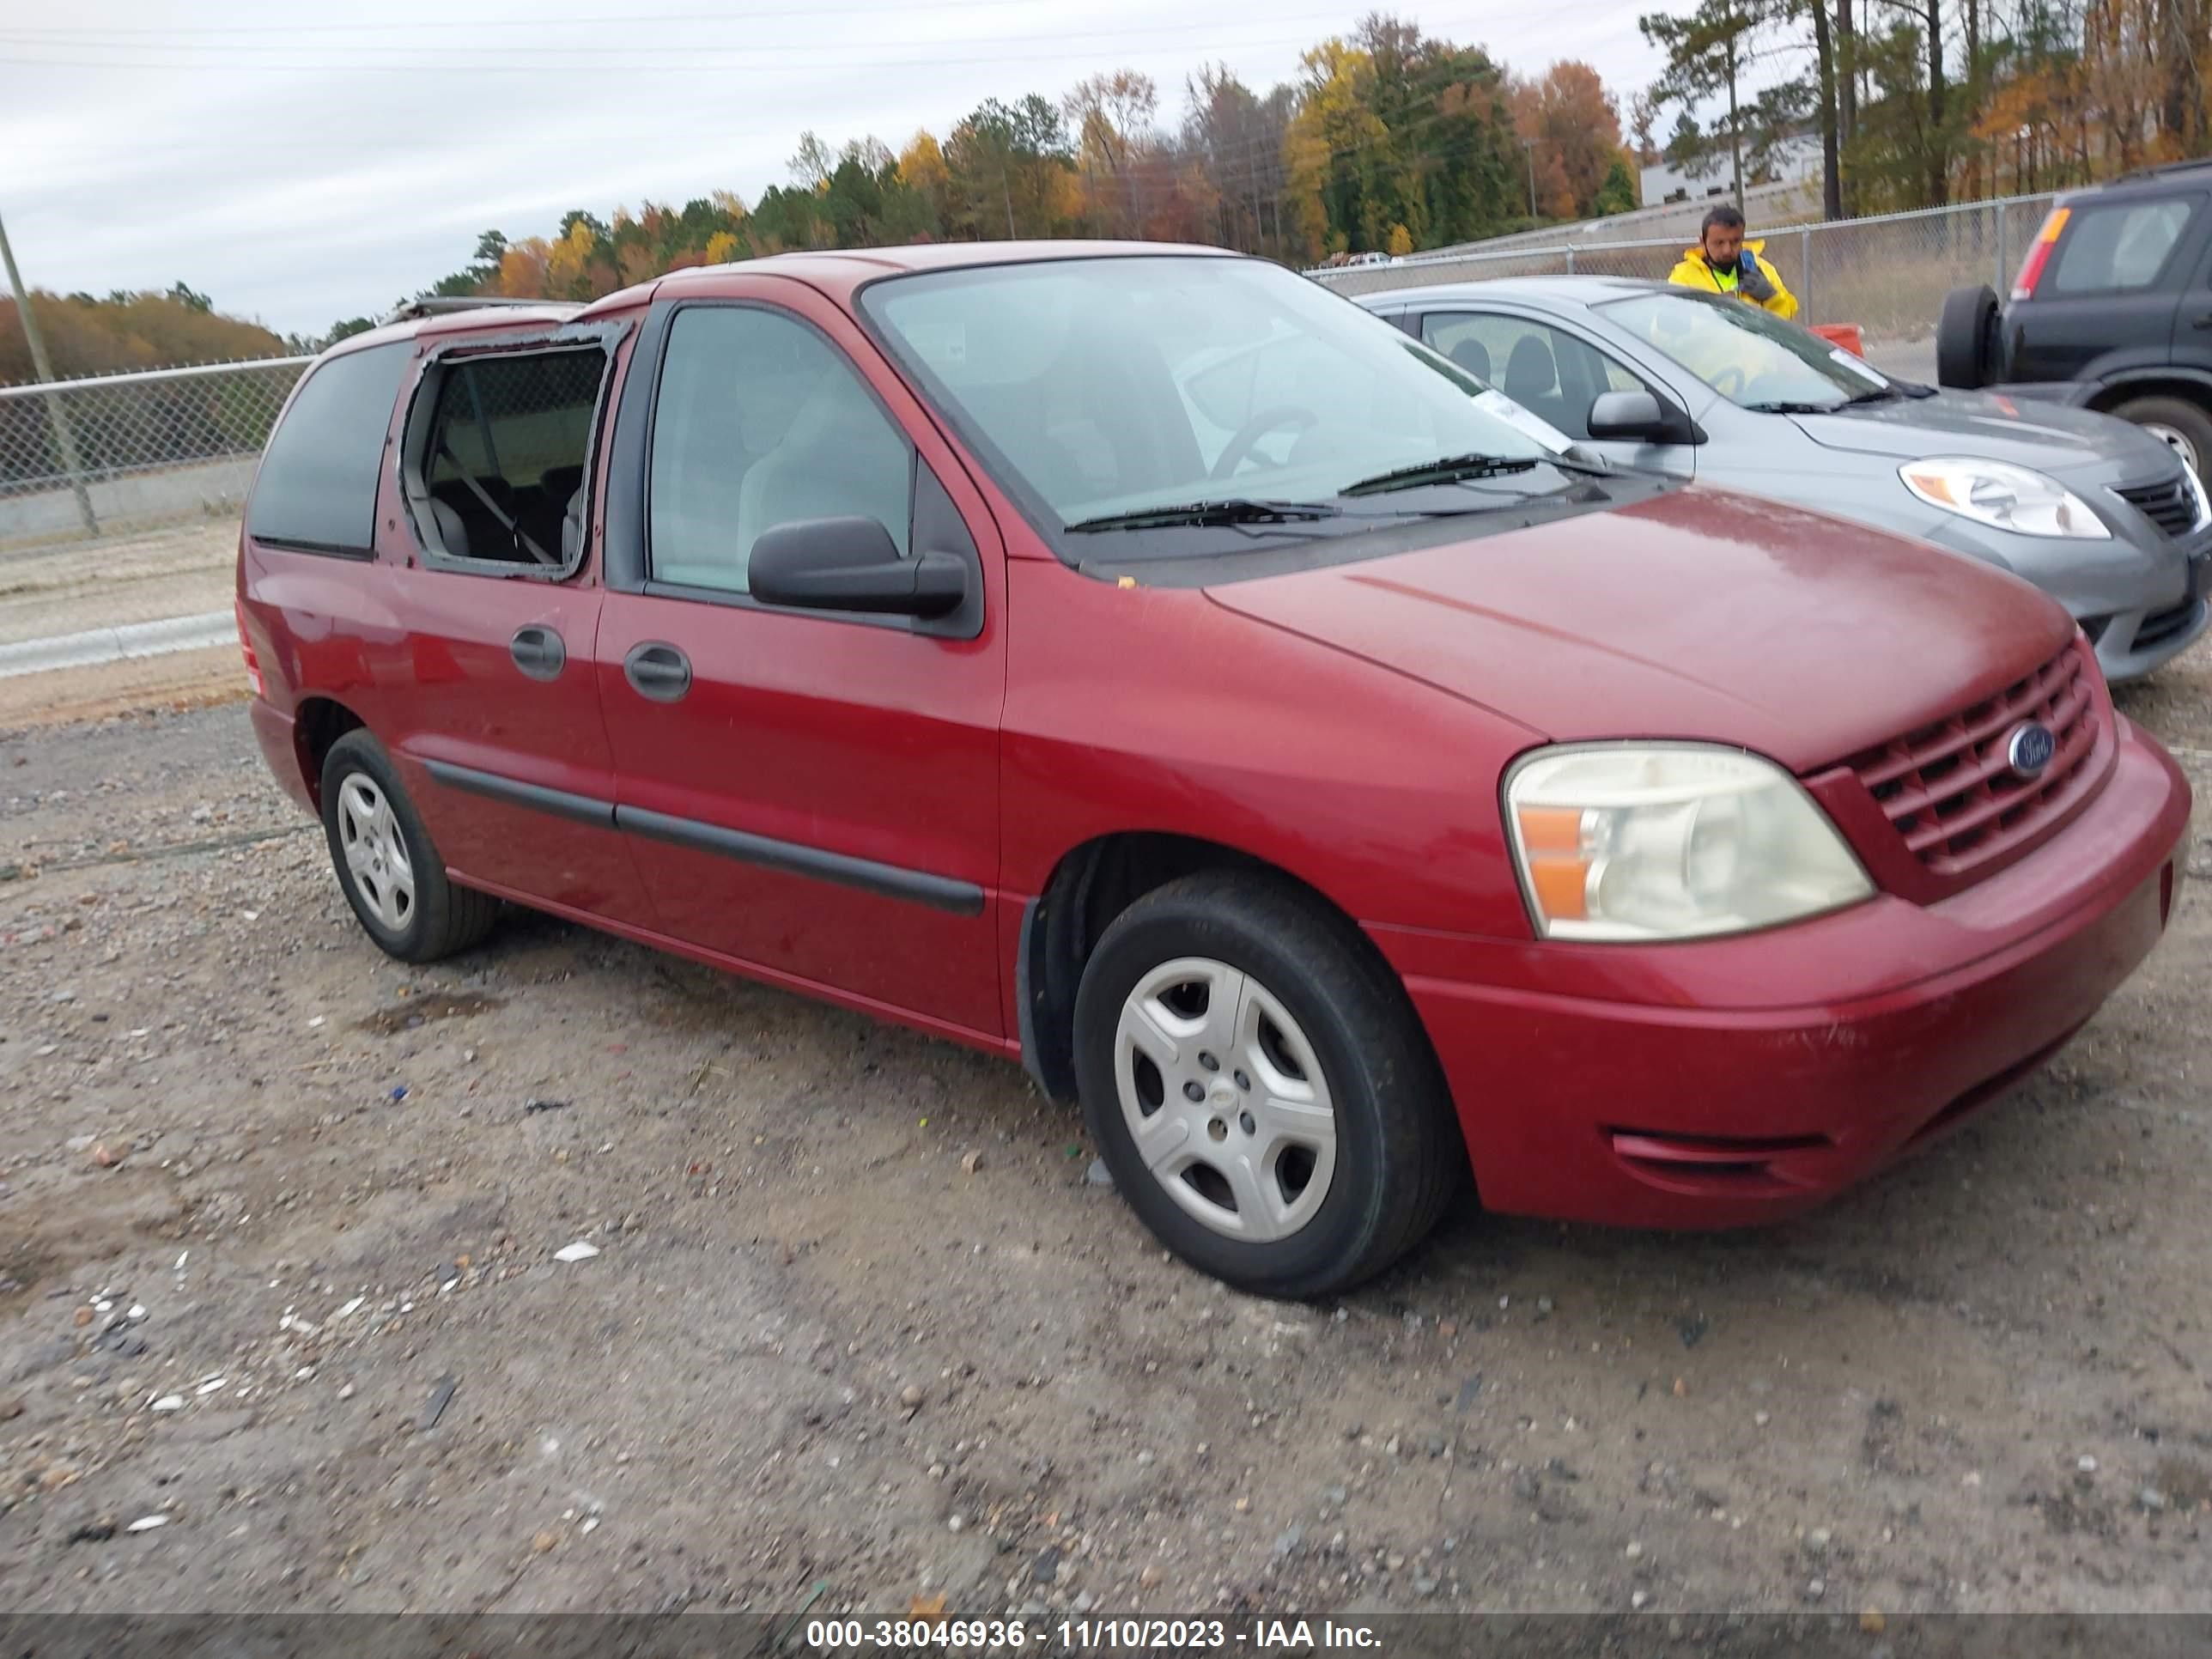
(2111, 310)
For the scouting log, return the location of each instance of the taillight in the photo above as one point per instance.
(2031, 269)
(246, 647)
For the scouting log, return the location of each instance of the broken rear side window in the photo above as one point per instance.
(503, 460)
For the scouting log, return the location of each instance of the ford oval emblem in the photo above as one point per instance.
(2030, 748)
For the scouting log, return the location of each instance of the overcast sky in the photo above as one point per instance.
(302, 163)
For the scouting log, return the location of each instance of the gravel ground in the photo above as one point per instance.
(284, 1326)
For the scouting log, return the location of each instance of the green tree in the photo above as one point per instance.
(1010, 165)
(1708, 51)
(1618, 192)
(1329, 149)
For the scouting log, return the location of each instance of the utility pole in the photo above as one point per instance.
(1530, 146)
(41, 366)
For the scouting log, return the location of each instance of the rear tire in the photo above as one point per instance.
(387, 865)
(2183, 427)
(1966, 338)
(1293, 1144)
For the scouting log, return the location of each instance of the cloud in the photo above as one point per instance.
(306, 164)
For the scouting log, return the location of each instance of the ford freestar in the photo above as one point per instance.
(1145, 664)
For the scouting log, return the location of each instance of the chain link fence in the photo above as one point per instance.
(1887, 275)
(127, 452)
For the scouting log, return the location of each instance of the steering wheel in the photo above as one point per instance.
(1267, 420)
(1729, 381)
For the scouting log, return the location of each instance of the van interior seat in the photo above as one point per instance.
(1474, 356)
(839, 459)
(1530, 374)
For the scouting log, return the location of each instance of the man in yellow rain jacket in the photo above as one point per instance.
(1723, 262)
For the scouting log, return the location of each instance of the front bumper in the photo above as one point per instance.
(1720, 1083)
(2131, 644)
(2140, 596)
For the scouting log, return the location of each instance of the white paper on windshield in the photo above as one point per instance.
(1858, 367)
(1504, 409)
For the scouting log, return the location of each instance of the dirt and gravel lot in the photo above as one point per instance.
(278, 1231)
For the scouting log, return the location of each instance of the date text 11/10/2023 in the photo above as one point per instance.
(1259, 1637)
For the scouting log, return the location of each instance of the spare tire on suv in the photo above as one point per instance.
(1968, 346)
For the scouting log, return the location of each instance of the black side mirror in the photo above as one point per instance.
(1638, 417)
(850, 564)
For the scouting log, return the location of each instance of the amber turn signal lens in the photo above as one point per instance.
(1561, 887)
(1552, 830)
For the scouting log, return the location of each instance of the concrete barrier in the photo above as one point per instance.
(100, 644)
(133, 500)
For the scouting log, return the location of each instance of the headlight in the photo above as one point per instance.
(2010, 497)
(1659, 842)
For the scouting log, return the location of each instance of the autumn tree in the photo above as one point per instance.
(1576, 129)
(1329, 150)
(1387, 138)
(1112, 120)
(921, 167)
(1642, 120)
(127, 330)
(1235, 138)
(811, 163)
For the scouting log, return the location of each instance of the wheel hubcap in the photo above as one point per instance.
(2177, 441)
(1224, 1098)
(376, 851)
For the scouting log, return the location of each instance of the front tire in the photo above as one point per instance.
(2181, 425)
(1260, 1088)
(387, 865)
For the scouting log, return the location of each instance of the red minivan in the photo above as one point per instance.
(1143, 663)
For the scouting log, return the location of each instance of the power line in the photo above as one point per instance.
(603, 52)
(604, 57)
(602, 66)
(508, 25)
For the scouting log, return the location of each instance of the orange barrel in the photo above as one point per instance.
(1845, 335)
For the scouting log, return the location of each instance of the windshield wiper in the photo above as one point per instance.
(1878, 394)
(1234, 509)
(1796, 408)
(1452, 469)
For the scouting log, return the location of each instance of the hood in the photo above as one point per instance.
(1697, 614)
(2049, 437)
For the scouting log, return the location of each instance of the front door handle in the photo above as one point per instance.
(2203, 321)
(657, 670)
(538, 652)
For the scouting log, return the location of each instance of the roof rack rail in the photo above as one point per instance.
(444, 304)
(2164, 168)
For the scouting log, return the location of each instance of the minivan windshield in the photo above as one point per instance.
(1136, 391)
(1751, 357)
